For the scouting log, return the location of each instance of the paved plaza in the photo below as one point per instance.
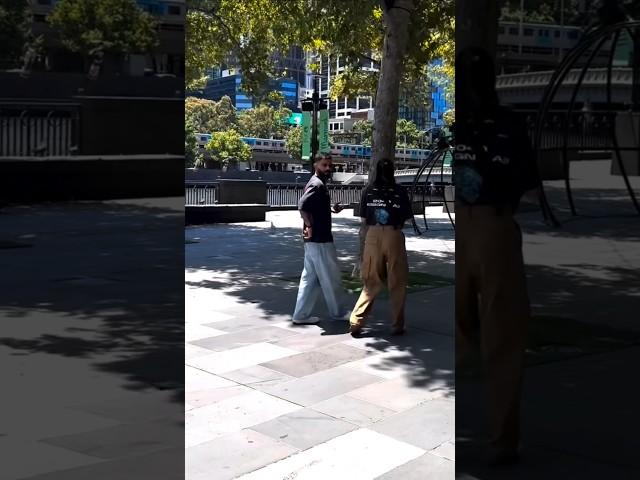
(92, 318)
(269, 400)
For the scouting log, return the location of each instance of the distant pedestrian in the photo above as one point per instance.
(321, 272)
(384, 208)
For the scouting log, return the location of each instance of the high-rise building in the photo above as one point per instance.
(343, 108)
(229, 83)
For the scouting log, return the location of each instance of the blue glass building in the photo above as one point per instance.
(231, 86)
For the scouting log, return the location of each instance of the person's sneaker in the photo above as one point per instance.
(355, 331)
(306, 321)
(397, 331)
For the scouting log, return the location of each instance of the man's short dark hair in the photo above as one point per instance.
(321, 156)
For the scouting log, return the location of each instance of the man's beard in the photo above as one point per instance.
(324, 176)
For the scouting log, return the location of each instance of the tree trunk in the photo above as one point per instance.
(396, 38)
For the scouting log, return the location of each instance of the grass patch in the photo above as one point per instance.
(418, 282)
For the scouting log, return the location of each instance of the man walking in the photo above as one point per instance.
(321, 271)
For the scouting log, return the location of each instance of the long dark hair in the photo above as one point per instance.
(384, 173)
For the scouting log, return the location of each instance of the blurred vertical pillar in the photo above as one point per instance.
(477, 24)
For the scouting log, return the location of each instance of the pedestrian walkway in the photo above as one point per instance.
(92, 318)
(268, 400)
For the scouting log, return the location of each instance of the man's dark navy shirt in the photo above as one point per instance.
(316, 201)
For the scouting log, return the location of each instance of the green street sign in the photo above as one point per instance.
(306, 135)
(323, 132)
(623, 55)
(295, 119)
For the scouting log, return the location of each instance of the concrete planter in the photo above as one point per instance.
(449, 198)
(551, 165)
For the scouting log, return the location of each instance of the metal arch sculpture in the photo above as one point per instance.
(431, 162)
(596, 36)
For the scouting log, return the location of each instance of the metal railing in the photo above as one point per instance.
(201, 194)
(35, 129)
(582, 130)
(286, 195)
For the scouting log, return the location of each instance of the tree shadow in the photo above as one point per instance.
(583, 285)
(106, 288)
(261, 269)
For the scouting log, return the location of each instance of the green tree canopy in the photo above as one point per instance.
(407, 133)
(264, 121)
(191, 150)
(228, 148)
(294, 143)
(208, 116)
(404, 39)
(366, 129)
(449, 117)
(111, 26)
(15, 25)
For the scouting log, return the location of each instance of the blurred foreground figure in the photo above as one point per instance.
(493, 167)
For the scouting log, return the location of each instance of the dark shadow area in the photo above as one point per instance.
(584, 338)
(261, 271)
(123, 261)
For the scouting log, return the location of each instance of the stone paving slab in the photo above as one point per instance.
(233, 414)
(358, 455)
(353, 410)
(219, 343)
(397, 394)
(234, 454)
(424, 467)
(160, 464)
(197, 332)
(305, 343)
(42, 458)
(324, 358)
(304, 428)
(427, 426)
(257, 377)
(313, 389)
(321, 385)
(241, 357)
(122, 440)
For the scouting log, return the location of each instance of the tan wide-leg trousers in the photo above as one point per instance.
(492, 300)
(384, 258)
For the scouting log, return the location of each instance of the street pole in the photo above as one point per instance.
(314, 120)
(635, 69)
(561, 29)
(520, 29)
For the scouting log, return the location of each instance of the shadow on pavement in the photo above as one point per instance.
(583, 282)
(256, 265)
(107, 287)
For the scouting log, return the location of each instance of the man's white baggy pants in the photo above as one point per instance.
(320, 273)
